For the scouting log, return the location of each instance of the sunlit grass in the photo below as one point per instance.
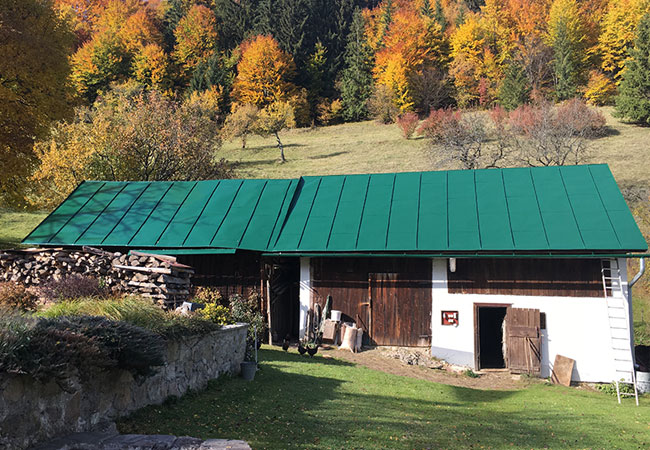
(299, 402)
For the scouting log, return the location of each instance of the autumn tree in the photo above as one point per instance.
(196, 38)
(241, 123)
(35, 43)
(412, 44)
(618, 35)
(83, 15)
(633, 100)
(264, 73)
(274, 118)
(566, 35)
(124, 33)
(130, 134)
(356, 80)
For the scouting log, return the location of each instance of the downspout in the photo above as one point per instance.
(629, 305)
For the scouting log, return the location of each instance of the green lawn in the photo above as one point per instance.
(14, 226)
(298, 402)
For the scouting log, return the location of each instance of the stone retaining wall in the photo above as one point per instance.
(31, 412)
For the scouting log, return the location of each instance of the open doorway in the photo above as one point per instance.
(284, 286)
(489, 336)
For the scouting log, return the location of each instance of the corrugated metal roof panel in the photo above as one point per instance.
(550, 209)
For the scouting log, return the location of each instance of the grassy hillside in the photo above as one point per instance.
(14, 226)
(369, 147)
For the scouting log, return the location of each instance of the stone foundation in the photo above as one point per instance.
(31, 412)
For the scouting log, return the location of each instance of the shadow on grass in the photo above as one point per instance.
(328, 155)
(260, 148)
(299, 402)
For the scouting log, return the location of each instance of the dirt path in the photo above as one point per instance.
(382, 359)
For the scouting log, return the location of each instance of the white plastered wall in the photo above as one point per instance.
(576, 327)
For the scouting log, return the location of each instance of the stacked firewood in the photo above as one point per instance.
(158, 277)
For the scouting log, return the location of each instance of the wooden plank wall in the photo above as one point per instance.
(538, 277)
(231, 274)
(346, 280)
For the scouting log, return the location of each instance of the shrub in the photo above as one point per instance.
(16, 296)
(471, 374)
(610, 388)
(74, 286)
(206, 294)
(381, 105)
(218, 314)
(137, 311)
(600, 89)
(467, 139)
(555, 135)
(408, 123)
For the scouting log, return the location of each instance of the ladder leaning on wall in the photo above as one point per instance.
(619, 328)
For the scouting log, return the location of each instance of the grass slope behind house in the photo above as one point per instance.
(15, 225)
(299, 402)
(368, 147)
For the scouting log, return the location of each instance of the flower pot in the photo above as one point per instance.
(248, 369)
(312, 350)
(301, 349)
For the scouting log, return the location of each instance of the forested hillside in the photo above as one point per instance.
(135, 89)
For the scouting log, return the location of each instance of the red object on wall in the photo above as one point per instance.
(450, 317)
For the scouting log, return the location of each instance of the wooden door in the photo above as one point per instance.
(523, 340)
(400, 310)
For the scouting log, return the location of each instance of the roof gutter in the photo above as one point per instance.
(457, 255)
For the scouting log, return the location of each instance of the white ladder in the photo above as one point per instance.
(619, 323)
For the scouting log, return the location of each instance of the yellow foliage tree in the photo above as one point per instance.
(151, 67)
(123, 30)
(618, 34)
(196, 38)
(35, 44)
(264, 73)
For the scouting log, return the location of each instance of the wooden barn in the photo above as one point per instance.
(498, 268)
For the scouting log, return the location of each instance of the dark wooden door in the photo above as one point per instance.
(523, 340)
(400, 310)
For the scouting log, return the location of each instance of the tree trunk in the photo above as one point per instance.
(281, 147)
(243, 141)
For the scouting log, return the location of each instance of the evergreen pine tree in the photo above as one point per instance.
(460, 17)
(439, 15)
(515, 88)
(564, 65)
(215, 71)
(426, 10)
(356, 81)
(633, 100)
(386, 19)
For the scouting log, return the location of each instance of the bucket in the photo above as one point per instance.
(336, 315)
(643, 382)
(248, 369)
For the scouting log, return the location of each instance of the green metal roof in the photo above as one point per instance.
(231, 214)
(545, 209)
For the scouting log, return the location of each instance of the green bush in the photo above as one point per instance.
(610, 388)
(14, 295)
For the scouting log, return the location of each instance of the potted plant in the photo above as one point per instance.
(312, 348)
(249, 365)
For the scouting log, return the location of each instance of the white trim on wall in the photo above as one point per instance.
(305, 294)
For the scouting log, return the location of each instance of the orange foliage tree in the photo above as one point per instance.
(412, 44)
